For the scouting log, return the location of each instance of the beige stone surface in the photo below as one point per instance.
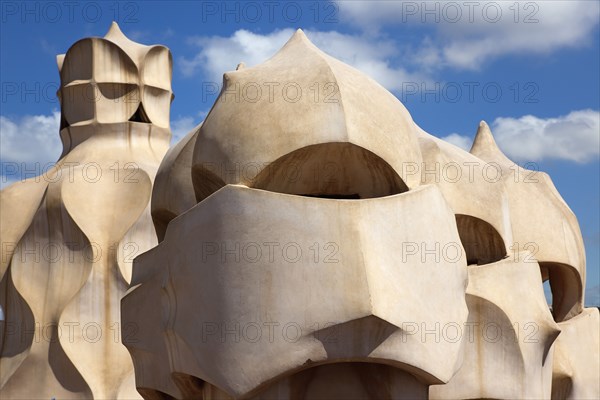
(252, 279)
(508, 337)
(543, 224)
(174, 189)
(479, 201)
(69, 237)
(299, 98)
(352, 169)
(576, 367)
(307, 240)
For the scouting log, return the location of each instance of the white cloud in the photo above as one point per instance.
(30, 139)
(181, 127)
(467, 34)
(29, 144)
(573, 137)
(463, 142)
(464, 42)
(220, 54)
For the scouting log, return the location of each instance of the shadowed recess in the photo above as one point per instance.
(347, 380)
(64, 370)
(161, 219)
(566, 288)
(18, 327)
(331, 170)
(205, 182)
(140, 115)
(16, 330)
(190, 386)
(151, 394)
(562, 376)
(482, 243)
(354, 339)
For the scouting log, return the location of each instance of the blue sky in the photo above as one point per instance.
(530, 69)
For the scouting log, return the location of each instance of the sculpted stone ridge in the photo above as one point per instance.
(300, 97)
(354, 276)
(310, 241)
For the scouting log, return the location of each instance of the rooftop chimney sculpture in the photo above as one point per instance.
(311, 242)
(69, 237)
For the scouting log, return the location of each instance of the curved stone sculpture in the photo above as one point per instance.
(492, 198)
(509, 335)
(69, 237)
(318, 115)
(348, 254)
(310, 241)
(174, 193)
(351, 172)
(576, 368)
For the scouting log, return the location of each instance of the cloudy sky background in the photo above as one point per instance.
(530, 69)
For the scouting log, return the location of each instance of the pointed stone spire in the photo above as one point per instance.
(60, 59)
(133, 49)
(483, 139)
(300, 34)
(299, 37)
(240, 66)
(114, 32)
(116, 35)
(485, 147)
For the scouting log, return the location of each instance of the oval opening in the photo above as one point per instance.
(348, 380)
(566, 289)
(333, 171)
(481, 241)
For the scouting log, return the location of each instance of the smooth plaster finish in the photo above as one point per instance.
(306, 247)
(69, 237)
(509, 336)
(380, 183)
